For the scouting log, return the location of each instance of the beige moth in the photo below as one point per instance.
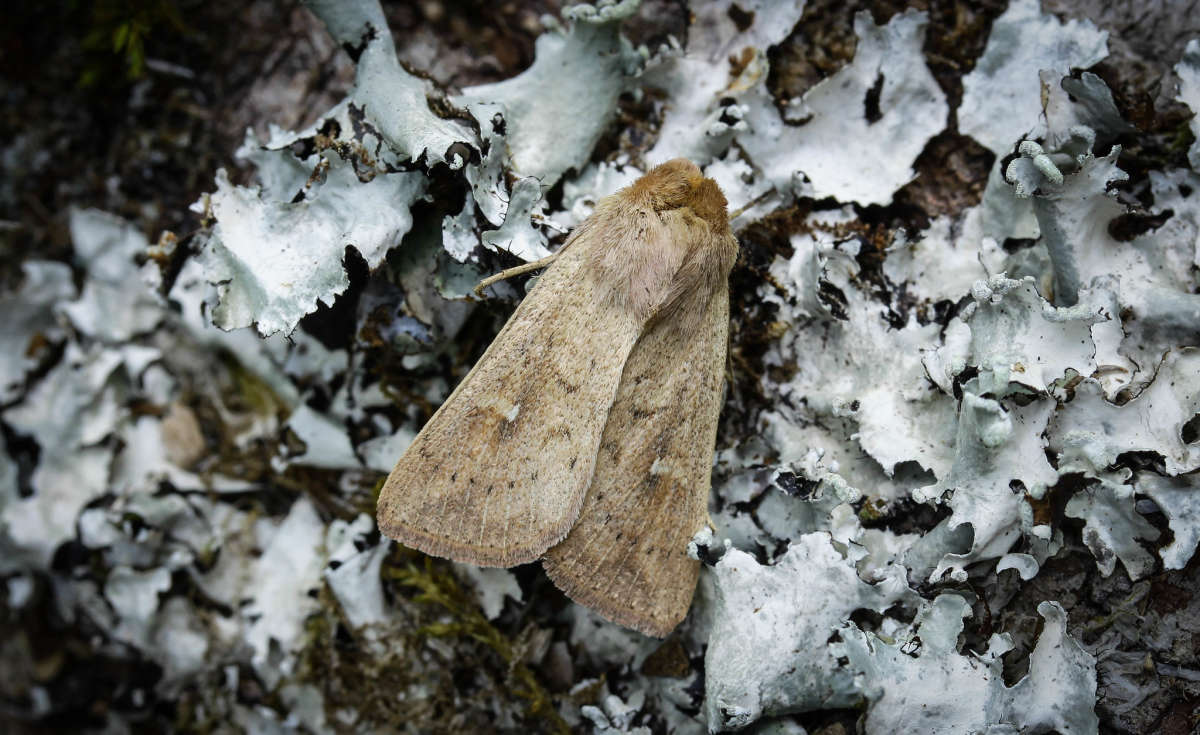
(584, 435)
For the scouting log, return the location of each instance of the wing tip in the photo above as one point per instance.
(459, 551)
(611, 609)
(395, 523)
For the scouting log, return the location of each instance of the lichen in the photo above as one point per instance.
(959, 438)
(868, 100)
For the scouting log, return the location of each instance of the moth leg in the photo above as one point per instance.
(515, 271)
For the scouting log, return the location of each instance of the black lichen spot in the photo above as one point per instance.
(727, 116)
(354, 51)
(795, 486)
(1190, 431)
(461, 151)
(359, 125)
(912, 474)
(706, 556)
(743, 19)
(331, 128)
(26, 453)
(871, 101)
(1133, 224)
(833, 298)
(69, 556)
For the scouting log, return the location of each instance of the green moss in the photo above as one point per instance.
(872, 510)
(436, 587)
(119, 30)
(440, 666)
(251, 392)
(374, 686)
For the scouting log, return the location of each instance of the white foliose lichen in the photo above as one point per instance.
(1018, 338)
(1179, 500)
(30, 322)
(69, 414)
(1188, 71)
(938, 264)
(867, 381)
(584, 68)
(956, 367)
(1144, 279)
(1057, 694)
(703, 109)
(996, 456)
(388, 111)
(1001, 95)
(518, 235)
(795, 605)
(1113, 529)
(115, 304)
(1090, 432)
(886, 98)
(277, 249)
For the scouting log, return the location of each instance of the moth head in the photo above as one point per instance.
(679, 183)
(667, 246)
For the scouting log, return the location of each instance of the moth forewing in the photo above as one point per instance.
(626, 557)
(563, 400)
(498, 474)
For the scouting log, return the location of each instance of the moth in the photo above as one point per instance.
(584, 435)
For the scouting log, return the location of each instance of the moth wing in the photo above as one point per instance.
(626, 555)
(500, 471)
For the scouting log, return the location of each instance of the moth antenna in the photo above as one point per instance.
(517, 270)
(753, 202)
